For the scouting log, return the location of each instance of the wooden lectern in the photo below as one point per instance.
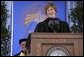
(57, 44)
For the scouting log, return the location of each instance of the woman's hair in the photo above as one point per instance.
(50, 5)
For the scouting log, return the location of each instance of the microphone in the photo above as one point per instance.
(57, 25)
(54, 25)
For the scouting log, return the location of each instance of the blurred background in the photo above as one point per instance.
(19, 18)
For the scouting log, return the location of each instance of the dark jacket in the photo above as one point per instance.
(45, 26)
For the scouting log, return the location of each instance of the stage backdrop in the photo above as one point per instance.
(22, 10)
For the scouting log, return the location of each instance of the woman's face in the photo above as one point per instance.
(51, 12)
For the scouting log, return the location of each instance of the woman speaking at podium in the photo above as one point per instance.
(52, 23)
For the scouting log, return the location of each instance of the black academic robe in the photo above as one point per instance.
(45, 27)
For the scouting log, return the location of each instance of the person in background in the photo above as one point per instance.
(24, 51)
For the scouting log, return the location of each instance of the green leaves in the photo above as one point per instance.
(5, 34)
(76, 17)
